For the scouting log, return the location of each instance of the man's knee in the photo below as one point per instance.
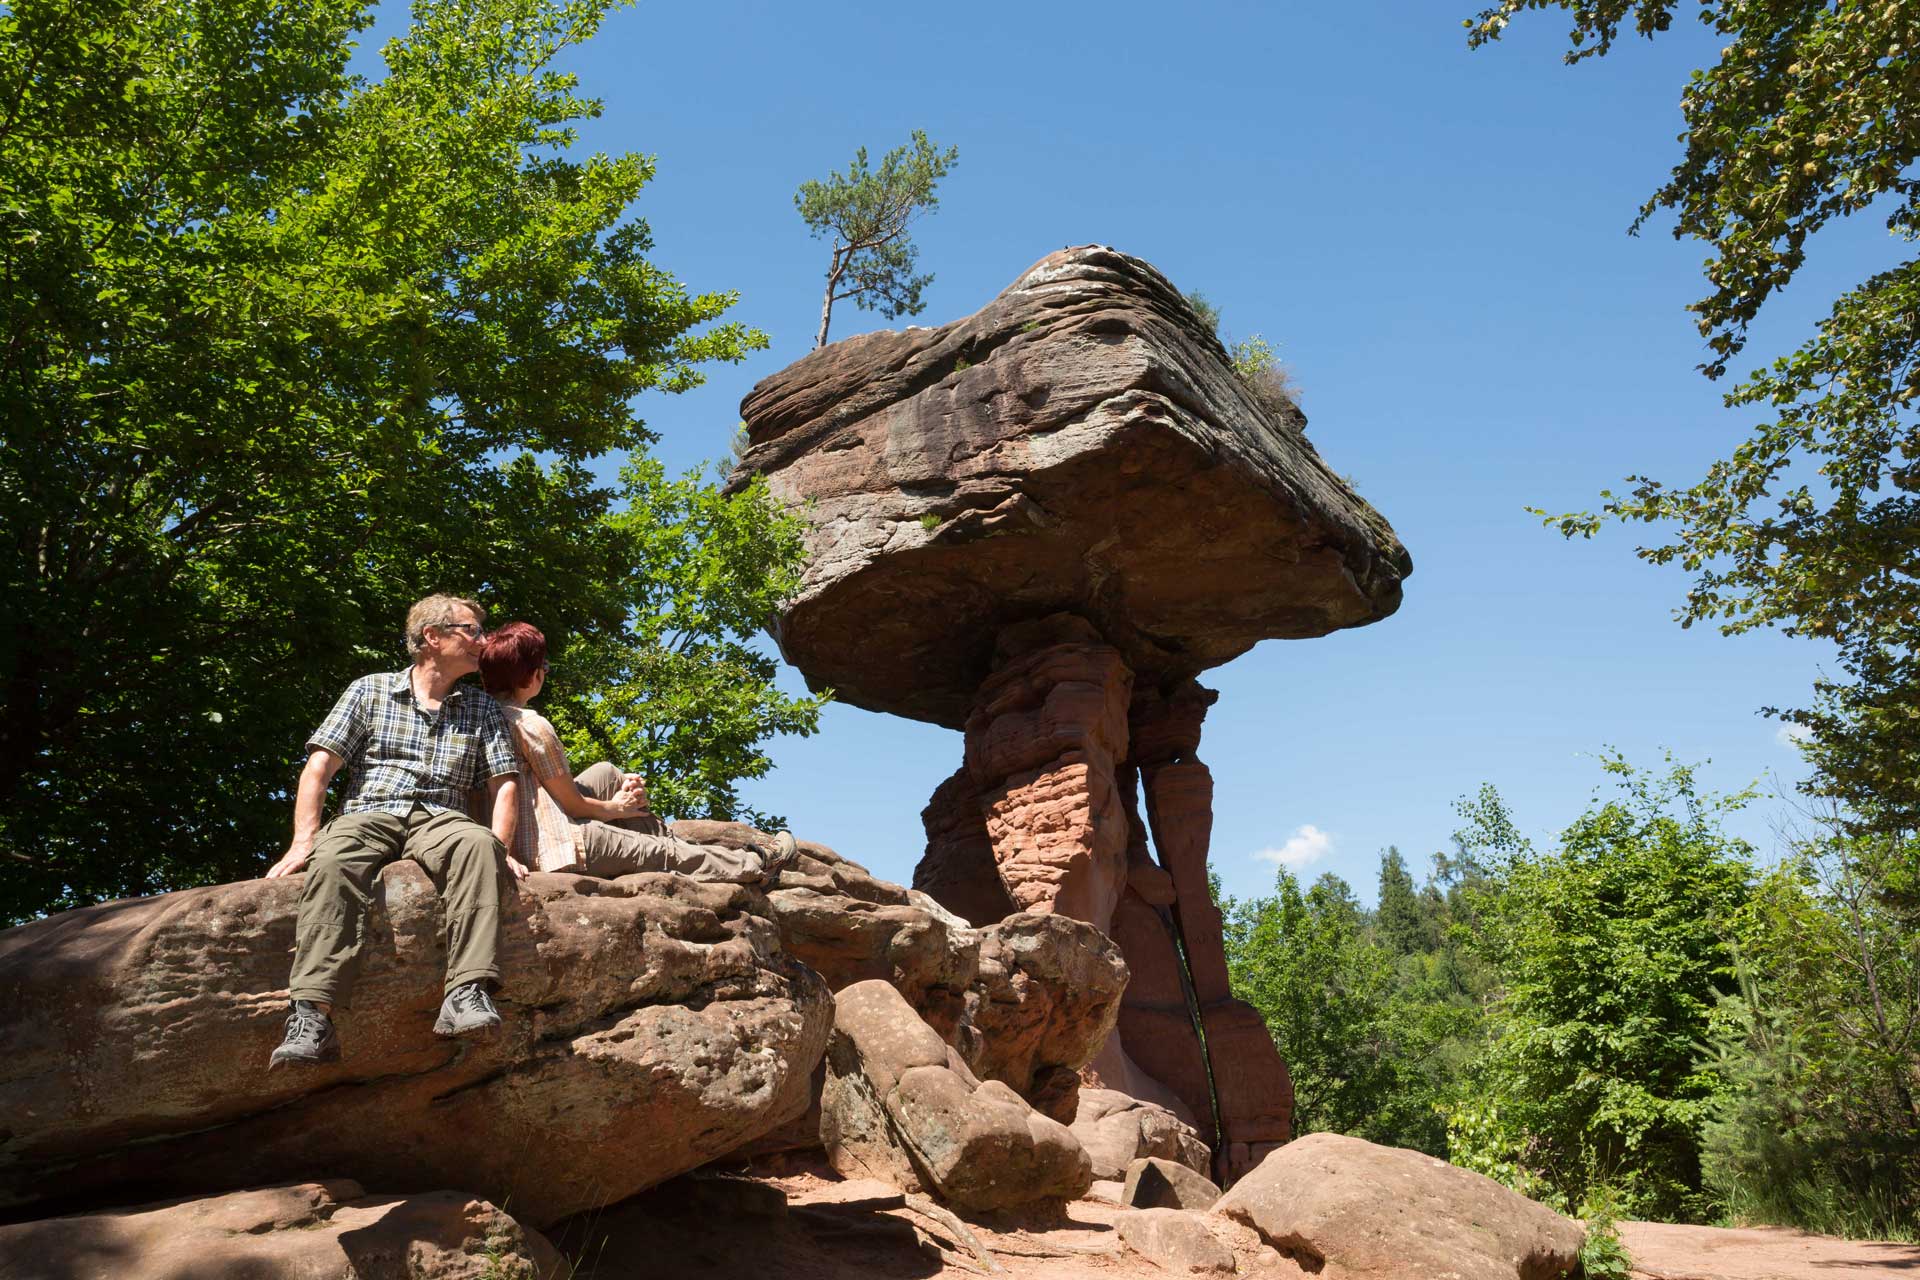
(473, 851)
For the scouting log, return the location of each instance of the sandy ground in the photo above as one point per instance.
(1664, 1252)
(795, 1219)
(799, 1221)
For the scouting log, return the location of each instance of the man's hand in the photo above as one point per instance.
(514, 865)
(633, 791)
(308, 799)
(292, 862)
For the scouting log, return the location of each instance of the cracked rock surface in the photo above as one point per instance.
(652, 1023)
(1080, 444)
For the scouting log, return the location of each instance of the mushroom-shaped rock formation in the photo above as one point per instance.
(1039, 524)
(1080, 444)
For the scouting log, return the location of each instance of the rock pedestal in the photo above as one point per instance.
(1044, 815)
(1040, 524)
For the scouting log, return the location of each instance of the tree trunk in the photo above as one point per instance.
(826, 317)
(834, 270)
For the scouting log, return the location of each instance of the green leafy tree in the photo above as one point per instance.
(867, 215)
(1373, 1042)
(1399, 922)
(1612, 958)
(679, 693)
(1811, 114)
(280, 341)
(1820, 1127)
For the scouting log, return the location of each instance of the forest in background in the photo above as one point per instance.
(1645, 1019)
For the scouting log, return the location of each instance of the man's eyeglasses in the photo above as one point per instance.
(473, 629)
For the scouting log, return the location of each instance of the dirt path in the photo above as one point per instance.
(1665, 1252)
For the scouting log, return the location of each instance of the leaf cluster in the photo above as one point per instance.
(866, 214)
(1811, 114)
(279, 341)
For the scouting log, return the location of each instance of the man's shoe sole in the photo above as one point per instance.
(446, 1030)
(281, 1057)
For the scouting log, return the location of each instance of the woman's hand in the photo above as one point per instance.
(633, 791)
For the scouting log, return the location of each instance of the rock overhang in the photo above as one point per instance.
(1082, 445)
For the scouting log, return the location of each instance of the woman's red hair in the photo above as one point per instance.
(510, 657)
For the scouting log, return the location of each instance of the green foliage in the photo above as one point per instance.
(1255, 361)
(1612, 961)
(866, 215)
(1811, 114)
(1603, 1254)
(1204, 308)
(1398, 921)
(678, 693)
(280, 341)
(1819, 1128)
(1270, 381)
(1372, 1040)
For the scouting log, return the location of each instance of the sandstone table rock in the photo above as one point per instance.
(1079, 444)
(1039, 524)
(652, 1023)
(304, 1231)
(901, 1106)
(1361, 1210)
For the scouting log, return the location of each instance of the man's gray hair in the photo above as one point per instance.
(436, 611)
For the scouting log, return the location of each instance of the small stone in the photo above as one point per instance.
(1154, 1183)
(1175, 1240)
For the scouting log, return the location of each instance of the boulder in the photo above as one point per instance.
(899, 1105)
(1175, 1241)
(652, 1023)
(302, 1231)
(1081, 444)
(1154, 1183)
(1360, 1210)
(1118, 1131)
(1026, 1000)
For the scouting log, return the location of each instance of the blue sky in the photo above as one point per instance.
(1435, 240)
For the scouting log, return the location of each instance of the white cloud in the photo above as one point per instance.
(1307, 844)
(1792, 735)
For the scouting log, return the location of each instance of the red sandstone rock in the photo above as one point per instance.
(303, 1231)
(652, 1023)
(1081, 444)
(1118, 1130)
(1361, 1211)
(900, 1106)
(1175, 1241)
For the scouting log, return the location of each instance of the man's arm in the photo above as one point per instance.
(505, 790)
(307, 804)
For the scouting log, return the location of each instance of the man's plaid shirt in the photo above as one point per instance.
(399, 755)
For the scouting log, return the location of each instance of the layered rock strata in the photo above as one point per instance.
(1081, 444)
(652, 1023)
(1038, 524)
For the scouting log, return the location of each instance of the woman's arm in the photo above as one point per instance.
(577, 804)
(547, 761)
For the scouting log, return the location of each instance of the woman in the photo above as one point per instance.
(597, 823)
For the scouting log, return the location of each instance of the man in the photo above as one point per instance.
(417, 744)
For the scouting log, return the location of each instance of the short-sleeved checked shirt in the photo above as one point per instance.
(398, 754)
(545, 838)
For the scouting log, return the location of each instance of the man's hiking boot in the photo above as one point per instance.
(310, 1038)
(466, 1009)
(779, 853)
